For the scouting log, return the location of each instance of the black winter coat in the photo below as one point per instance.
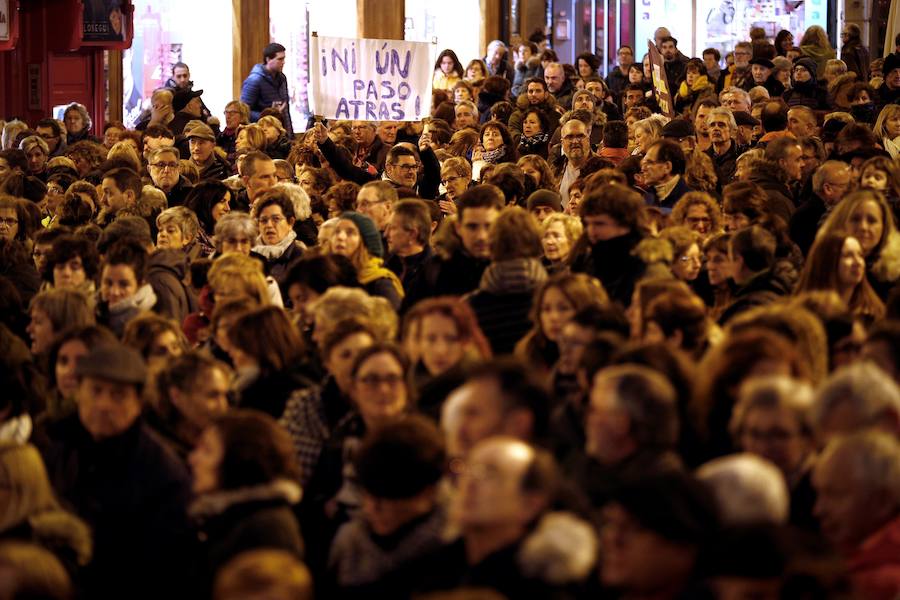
(612, 263)
(454, 276)
(248, 518)
(764, 288)
(269, 392)
(503, 318)
(133, 492)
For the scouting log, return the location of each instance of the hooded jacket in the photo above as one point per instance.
(261, 89)
(133, 493)
(549, 106)
(765, 287)
(166, 271)
(613, 262)
(248, 518)
(552, 560)
(503, 300)
(807, 93)
(819, 55)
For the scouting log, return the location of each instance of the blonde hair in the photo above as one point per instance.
(341, 303)
(571, 225)
(243, 107)
(889, 111)
(23, 473)
(679, 212)
(235, 268)
(183, 217)
(125, 151)
(272, 121)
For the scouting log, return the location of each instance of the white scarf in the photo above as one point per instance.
(274, 251)
(892, 146)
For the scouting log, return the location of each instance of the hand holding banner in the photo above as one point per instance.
(660, 81)
(370, 79)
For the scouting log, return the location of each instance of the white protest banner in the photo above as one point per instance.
(4, 20)
(369, 79)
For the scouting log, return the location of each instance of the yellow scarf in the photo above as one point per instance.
(701, 83)
(373, 270)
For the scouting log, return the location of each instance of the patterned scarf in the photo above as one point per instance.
(494, 156)
(515, 276)
(528, 142)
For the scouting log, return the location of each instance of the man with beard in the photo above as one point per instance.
(460, 272)
(675, 63)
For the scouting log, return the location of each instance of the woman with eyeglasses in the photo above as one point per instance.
(57, 185)
(277, 241)
(379, 395)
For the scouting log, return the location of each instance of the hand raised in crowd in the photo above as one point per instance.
(320, 134)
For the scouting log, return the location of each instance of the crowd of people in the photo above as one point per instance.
(546, 343)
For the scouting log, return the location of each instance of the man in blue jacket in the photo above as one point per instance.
(267, 87)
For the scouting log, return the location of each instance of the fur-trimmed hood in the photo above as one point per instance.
(64, 534)
(216, 503)
(887, 267)
(547, 105)
(562, 549)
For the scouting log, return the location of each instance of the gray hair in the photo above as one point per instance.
(740, 92)
(649, 400)
(82, 110)
(468, 104)
(874, 461)
(299, 198)
(10, 131)
(164, 150)
(867, 390)
(774, 392)
(235, 223)
(725, 112)
(829, 167)
(31, 141)
(748, 489)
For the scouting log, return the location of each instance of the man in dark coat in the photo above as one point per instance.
(409, 240)
(723, 148)
(646, 446)
(202, 143)
(613, 225)
(853, 53)
(118, 476)
(267, 87)
(663, 169)
(752, 251)
(781, 168)
(675, 62)
(494, 527)
(459, 271)
(830, 183)
(165, 173)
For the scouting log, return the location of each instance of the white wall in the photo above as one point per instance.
(453, 22)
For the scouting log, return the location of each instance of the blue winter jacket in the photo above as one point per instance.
(261, 89)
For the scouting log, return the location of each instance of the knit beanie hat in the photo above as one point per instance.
(807, 63)
(367, 230)
(544, 198)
